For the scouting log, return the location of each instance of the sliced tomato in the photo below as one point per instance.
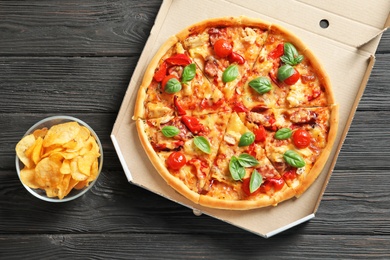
(277, 52)
(301, 138)
(239, 107)
(193, 124)
(223, 48)
(260, 134)
(179, 59)
(179, 108)
(176, 160)
(235, 57)
(160, 72)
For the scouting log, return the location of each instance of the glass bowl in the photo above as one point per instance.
(74, 193)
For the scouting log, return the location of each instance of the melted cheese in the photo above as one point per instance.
(157, 110)
(296, 96)
(249, 35)
(196, 45)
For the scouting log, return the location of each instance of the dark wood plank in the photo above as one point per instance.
(115, 206)
(89, 84)
(94, 28)
(161, 246)
(384, 46)
(377, 91)
(58, 28)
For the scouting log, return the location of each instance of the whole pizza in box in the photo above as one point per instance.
(236, 113)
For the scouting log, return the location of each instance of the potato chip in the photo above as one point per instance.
(85, 162)
(51, 149)
(47, 173)
(59, 159)
(65, 167)
(74, 170)
(40, 132)
(21, 148)
(61, 133)
(38, 151)
(63, 186)
(94, 170)
(72, 184)
(27, 176)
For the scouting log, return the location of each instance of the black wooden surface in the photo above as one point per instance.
(76, 58)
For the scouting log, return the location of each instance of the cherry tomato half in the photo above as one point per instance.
(176, 160)
(246, 189)
(293, 78)
(273, 183)
(166, 79)
(301, 138)
(222, 48)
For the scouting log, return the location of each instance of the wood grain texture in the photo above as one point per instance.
(76, 58)
(160, 246)
(71, 28)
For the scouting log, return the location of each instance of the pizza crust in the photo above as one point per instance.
(263, 201)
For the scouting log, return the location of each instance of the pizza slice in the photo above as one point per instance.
(183, 148)
(225, 49)
(173, 85)
(284, 74)
(242, 177)
(300, 143)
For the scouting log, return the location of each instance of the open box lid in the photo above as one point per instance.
(347, 59)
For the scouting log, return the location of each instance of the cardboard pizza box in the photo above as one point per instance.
(344, 35)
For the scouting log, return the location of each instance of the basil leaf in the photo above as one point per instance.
(247, 160)
(261, 85)
(172, 86)
(189, 73)
(170, 131)
(203, 144)
(294, 159)
(285, 72)
(283, 133)
(291, 55)
(236, 170)
(230, 73)
(255, 181)
(298, 59)
(246, 139)
(290, 50)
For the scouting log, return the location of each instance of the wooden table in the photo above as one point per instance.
(76, 58)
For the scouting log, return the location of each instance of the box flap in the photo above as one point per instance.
(372, 13)
(353, 23)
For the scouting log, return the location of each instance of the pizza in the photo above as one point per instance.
(236, 113)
